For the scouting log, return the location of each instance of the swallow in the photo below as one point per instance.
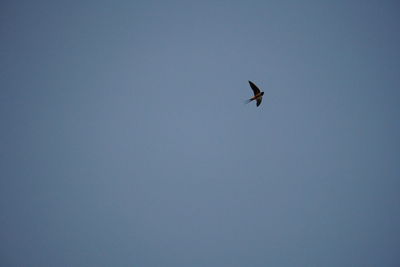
(257, 94)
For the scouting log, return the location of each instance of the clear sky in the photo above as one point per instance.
(125, 140)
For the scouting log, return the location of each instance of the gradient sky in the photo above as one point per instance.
(125, 140)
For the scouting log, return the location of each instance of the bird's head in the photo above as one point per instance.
(262, 93)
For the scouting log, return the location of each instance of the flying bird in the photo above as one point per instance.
(257, 94)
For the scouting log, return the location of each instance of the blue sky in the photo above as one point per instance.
(126, 141)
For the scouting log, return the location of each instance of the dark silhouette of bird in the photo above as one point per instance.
(257, 94)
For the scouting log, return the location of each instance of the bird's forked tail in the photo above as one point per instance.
(248, 101)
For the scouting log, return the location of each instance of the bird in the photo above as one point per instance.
(258, 94)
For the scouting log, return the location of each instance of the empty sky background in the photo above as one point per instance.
(125, 140)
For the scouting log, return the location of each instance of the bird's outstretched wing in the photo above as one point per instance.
(255, 88)
(259, 101)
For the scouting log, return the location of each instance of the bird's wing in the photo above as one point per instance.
(255, 88)
(259, 101)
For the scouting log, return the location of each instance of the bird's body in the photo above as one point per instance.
(257, 94)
